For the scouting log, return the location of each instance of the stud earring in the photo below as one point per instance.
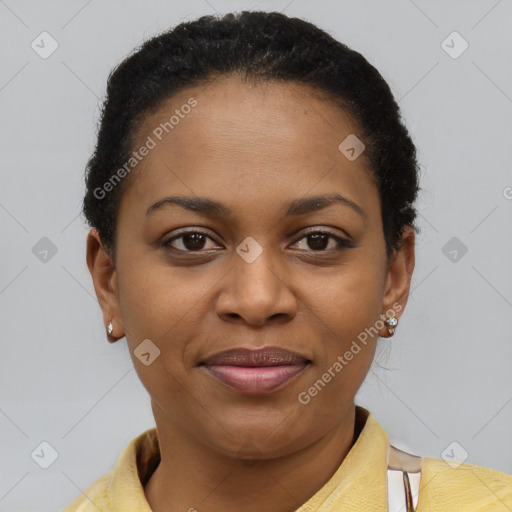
(391, 323)
(110, 327)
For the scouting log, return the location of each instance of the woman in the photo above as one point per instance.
(251, 198)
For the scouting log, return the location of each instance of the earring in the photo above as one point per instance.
(391, 323)
(110, 327)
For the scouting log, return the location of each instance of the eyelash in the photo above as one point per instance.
(342, 242)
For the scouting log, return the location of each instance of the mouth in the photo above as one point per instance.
(255, 371)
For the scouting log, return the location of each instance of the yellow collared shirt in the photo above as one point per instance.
(358, 485)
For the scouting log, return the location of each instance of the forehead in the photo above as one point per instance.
(250, 138)
(274, 112)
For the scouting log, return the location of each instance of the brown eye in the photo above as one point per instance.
(188, 242)
(319, 241)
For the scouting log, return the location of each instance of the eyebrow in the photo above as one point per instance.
(295, 208)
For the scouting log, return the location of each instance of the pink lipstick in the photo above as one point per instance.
(255, 371)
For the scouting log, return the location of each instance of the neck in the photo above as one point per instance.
(192, 475)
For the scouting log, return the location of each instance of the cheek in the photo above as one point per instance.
(348, 300)
(161, 306)
(347, 306)
(154, 297)
(168, 306)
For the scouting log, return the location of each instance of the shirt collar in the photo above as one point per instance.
(359, 483)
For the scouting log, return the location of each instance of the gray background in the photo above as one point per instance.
(449, 372)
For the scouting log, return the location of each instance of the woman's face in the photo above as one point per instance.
(251, 277)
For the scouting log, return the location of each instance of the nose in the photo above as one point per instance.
(256, 292)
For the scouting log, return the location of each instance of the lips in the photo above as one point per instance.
(255, 371)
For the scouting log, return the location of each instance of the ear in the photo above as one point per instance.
(104, 277)
(399, 274)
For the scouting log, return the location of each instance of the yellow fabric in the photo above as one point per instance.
(359, 484)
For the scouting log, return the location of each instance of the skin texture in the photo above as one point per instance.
(255, 148)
